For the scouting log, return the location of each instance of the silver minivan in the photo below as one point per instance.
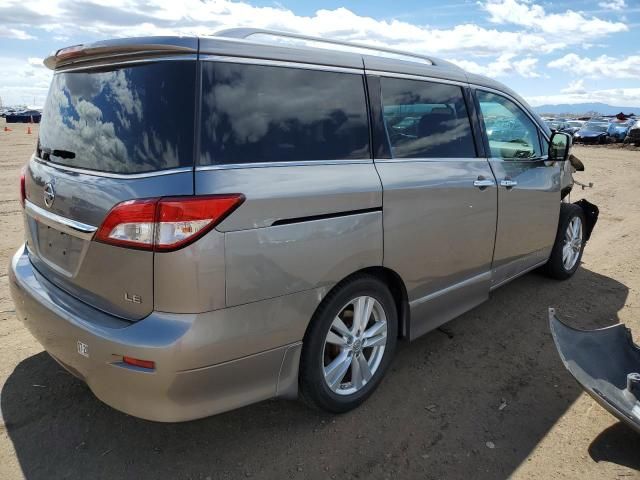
(211, 222)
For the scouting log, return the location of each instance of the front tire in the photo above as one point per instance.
(569, 244)
(349, 345)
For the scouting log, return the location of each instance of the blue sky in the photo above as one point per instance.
(550, 52)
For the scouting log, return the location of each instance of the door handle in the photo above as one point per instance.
(483, 183)
(507, 182)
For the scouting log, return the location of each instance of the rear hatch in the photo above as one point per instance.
(110, 132)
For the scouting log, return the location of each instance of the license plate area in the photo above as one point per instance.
(58, 248)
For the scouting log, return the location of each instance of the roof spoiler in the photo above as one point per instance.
(125, 49)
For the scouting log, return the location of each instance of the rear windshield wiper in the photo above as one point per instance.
(57, 153)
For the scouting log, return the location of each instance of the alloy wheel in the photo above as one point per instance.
(572, 243)
(354, 345)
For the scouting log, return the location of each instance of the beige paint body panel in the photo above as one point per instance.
(438, 235)
(269, 262)
(204, 364)
(191, 280)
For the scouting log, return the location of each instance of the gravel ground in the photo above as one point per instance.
(437, 415)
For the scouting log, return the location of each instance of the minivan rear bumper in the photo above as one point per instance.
(179, 388)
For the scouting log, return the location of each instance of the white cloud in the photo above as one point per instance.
(561, 25)
(15, 33)
(602, 66)
(527, 67)
(35, 61)
(615, 5)
(22, 83)
(621, 97)
(575, 87)
(504, 65)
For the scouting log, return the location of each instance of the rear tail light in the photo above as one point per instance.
(165, 224)
(23, 185)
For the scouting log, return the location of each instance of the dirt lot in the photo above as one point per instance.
(433, 417)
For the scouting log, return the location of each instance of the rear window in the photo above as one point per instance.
(121, 120)
(256, 113)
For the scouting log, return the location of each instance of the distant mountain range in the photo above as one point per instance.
(583, 108)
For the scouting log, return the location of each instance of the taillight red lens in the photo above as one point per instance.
(23, 185)
(130, 224)
(165, 224)
(182, 220)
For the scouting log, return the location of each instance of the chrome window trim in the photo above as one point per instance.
(123, 176)
(301, 163)
(66, 225)
(409, 76)
(543, 158)
(118, 63)
(430, 159)
(279, 63)
(514, 100)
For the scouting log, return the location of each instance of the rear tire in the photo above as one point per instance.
(345, 354)
(569, 244)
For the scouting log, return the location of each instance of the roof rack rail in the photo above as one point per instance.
(244, 33)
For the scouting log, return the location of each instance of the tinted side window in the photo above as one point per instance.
(512, 134)
(426, 120)
(256, 113)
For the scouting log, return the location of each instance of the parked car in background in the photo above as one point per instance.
(24, 116)
(633, 136)
(618, 130)
(334, 203)
(558, 125)
(574, 126)
(592, 132)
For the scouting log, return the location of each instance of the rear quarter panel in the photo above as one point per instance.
(274, 261)
(263, 260)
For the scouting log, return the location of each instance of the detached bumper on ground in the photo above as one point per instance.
(606, 363)
(182, 386)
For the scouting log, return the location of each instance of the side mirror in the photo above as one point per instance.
(559, 146)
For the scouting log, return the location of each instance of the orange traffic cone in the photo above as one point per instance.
(7, 129)
(28, 130)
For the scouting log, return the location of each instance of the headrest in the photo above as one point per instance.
(435, 121)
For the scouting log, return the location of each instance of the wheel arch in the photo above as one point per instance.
(397, 288)
(399, 291)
